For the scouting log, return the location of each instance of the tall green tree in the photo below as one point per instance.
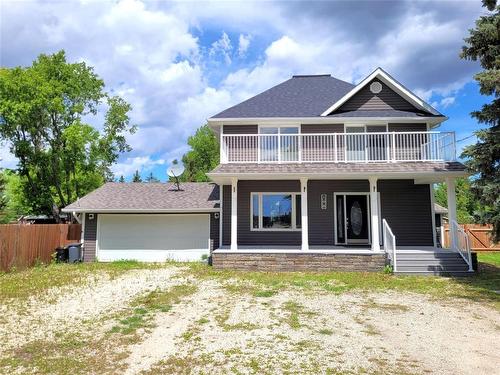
(483, 45)
(121, 179)
(203, 156)
(152, 178)
(3, 196)
(15, 203)
(43, 109)
(467, 205)
(136, 177)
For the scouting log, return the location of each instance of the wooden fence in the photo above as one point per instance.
(22, 245)
(479, 235)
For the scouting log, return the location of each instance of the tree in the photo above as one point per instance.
(152, 178)
(3, 196)
(136, 177)
(467, 206)
(16, 204)
(121, 179)
(483, 44)
(203, 156)
(42, 113)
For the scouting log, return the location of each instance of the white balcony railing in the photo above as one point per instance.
(338, 147)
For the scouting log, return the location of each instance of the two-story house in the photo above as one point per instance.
(315, 173)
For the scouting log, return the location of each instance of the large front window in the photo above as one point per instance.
(275, 211)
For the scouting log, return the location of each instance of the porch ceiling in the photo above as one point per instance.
(428, 171)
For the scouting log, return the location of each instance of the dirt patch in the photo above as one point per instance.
(62, 309)
(144, 325)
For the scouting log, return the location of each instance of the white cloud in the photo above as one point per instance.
(148, 53)
(446, 102)
(243, 44)
(223, 47)
(141, 163)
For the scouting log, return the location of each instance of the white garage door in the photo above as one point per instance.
(152, 238)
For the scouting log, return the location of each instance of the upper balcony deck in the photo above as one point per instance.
(338, 147)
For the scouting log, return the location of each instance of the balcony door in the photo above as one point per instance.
(352, 219)
(355, 143)
(278, 143)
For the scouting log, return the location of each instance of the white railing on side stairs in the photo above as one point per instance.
(389, 244)
(460, 242)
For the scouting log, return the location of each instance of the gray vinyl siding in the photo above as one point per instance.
(405, 205)
(226, 215)
(240, 129)
(365, 100)
(321, 128)
(407, 208)
(214, 230)
(404, 127)
(321, 222)
(89, 238)
(249, 237)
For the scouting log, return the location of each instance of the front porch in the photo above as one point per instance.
(306, 223)
(419, 260)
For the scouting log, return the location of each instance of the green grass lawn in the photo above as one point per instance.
(492, 258)
(483, 286)
(31, 281)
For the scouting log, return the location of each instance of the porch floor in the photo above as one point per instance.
(349, 249)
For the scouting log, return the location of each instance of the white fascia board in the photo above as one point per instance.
(215, 123)
(141, 211)
(389, 81)
(225, 178)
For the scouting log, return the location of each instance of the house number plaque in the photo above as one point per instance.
(323, 201)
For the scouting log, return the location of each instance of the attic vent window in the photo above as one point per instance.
(376, 87)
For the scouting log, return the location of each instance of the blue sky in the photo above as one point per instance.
(178, 63)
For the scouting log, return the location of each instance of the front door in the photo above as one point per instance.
(351, 220)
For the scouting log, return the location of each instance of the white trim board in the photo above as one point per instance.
(141, 211)
(390, 82)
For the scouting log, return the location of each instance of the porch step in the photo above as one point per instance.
(431, 263)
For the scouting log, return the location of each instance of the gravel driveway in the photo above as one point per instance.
(165, 320)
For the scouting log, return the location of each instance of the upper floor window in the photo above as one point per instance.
(278, 129)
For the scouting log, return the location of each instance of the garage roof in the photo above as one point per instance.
(149, 197)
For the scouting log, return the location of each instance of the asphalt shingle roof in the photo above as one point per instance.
(196, 196)
(300, 96)
(311, 168)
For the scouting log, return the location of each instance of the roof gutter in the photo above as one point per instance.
(214, 122)
(142, 211)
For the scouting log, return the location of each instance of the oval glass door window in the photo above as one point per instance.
(356, 218)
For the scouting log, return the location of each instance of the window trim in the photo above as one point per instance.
(279, 126)
(294, 212)
(365, 125)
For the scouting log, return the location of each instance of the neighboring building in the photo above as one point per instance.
(315, 173)
(440, 213)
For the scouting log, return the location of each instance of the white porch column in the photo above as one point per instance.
(234, 214)
(305, 226)
(375, 223)
(452, 207)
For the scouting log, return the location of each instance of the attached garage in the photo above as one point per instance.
(149, 222)
(153, 238)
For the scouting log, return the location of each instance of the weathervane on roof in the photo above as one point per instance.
(175, 171)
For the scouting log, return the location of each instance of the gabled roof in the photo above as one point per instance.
(149, 197)
(300, 96)
(386, 78)
(320, 96)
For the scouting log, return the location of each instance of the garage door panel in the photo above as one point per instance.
(153, 237)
